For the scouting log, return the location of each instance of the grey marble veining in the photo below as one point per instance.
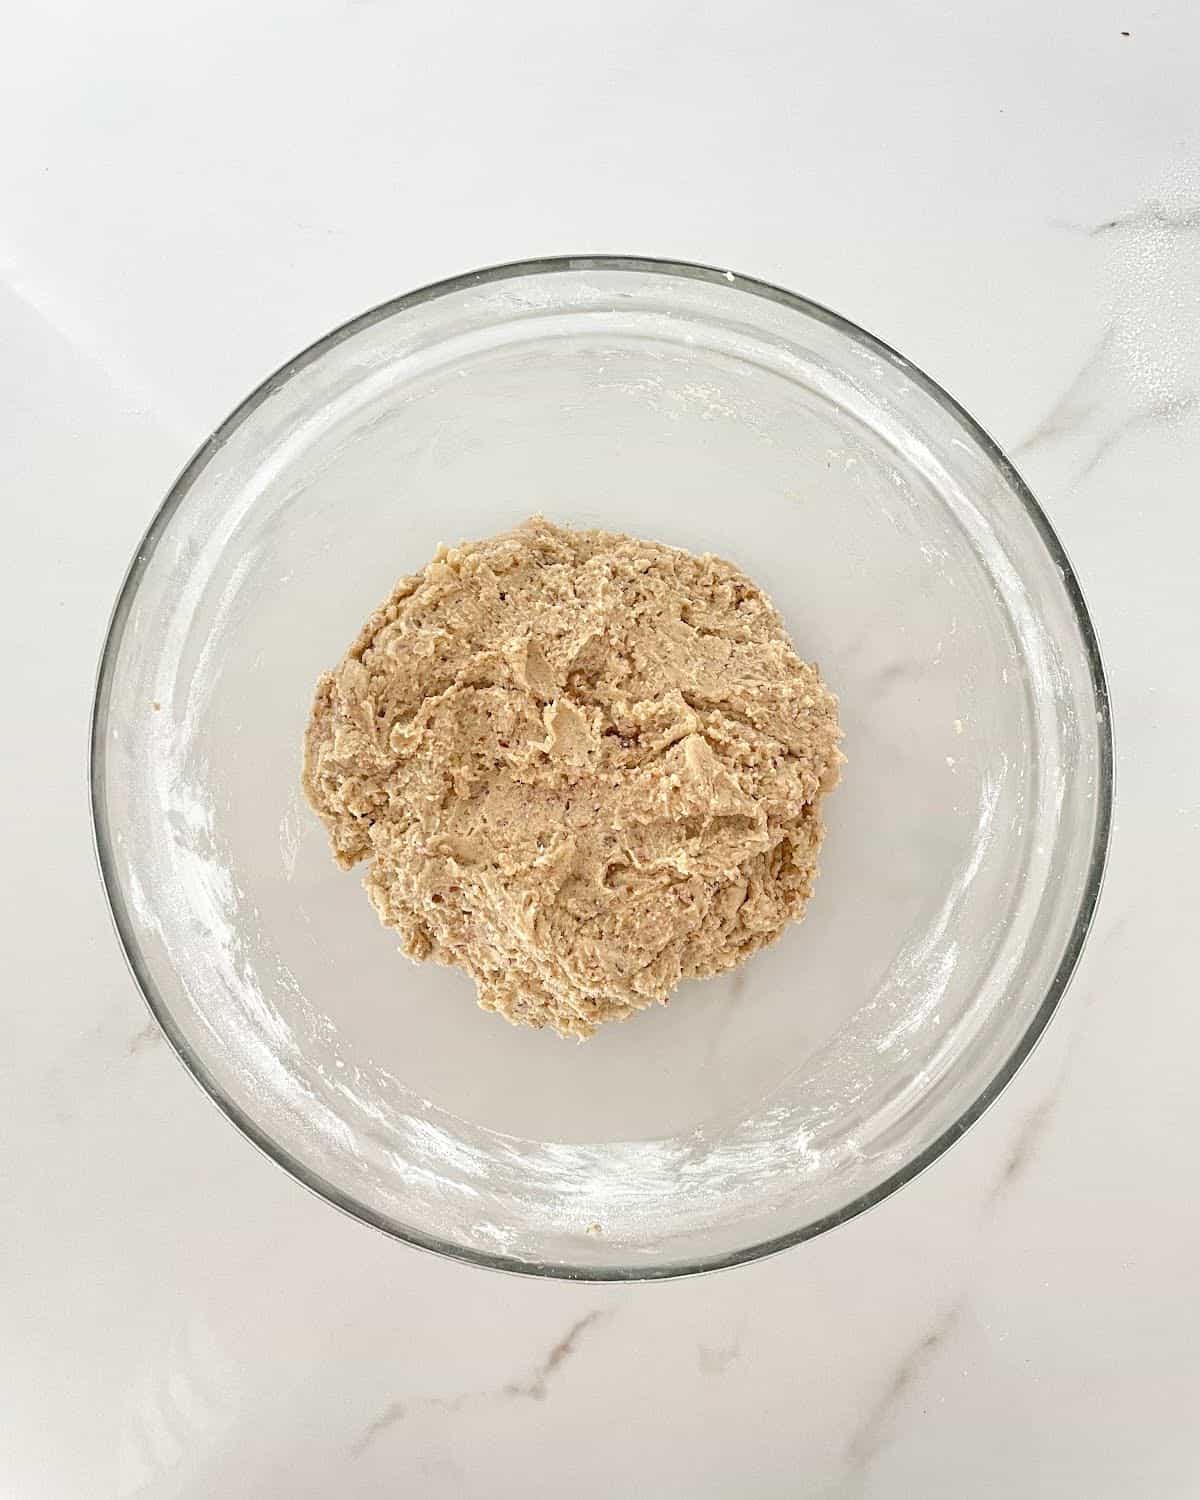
(534, 1386)
(1087, 414)
(870, 1437)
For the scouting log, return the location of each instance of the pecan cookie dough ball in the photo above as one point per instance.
(582, 767)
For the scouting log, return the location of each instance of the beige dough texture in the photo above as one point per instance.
(582, 767)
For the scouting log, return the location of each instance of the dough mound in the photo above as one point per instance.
(583, 768)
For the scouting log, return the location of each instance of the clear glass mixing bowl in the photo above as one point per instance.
(965, 845)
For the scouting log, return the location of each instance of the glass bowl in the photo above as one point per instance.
(965, 845)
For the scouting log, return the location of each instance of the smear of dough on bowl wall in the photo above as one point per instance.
(582, 767)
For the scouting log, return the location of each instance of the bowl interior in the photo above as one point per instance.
(963, 846)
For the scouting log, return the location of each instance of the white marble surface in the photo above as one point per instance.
(190, 193)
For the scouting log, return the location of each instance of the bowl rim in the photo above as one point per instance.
(122, 918)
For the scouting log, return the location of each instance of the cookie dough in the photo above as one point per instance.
(582, 767)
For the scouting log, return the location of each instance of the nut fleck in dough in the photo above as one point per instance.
(583, 767)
